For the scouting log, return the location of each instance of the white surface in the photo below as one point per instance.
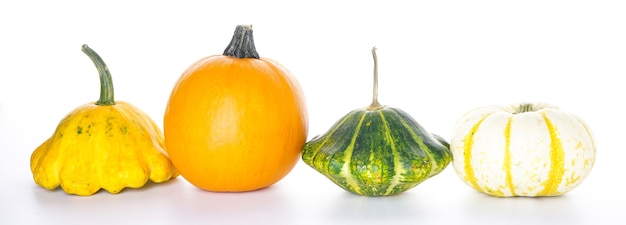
(438, 59)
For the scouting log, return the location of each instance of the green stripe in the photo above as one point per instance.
(397, 165)
(439, 155)
(372, 163)
(312, 148)
(346, 170)
(326, 153)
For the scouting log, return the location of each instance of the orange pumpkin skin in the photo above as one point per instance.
(235, 124)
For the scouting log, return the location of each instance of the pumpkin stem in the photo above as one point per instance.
(524, 107)
(242, 44)
(106, 83)
(375, 105)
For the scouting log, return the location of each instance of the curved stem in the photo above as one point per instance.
(375, 105)
(106, 83)
(242, 43)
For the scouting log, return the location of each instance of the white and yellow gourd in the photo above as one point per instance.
(522, 150)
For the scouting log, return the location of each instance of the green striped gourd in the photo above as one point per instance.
(377, 150)
(522, 150)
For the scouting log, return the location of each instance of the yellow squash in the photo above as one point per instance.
(106, 144)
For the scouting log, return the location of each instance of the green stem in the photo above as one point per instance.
(242, 44)
(106, 83)
(375, 105)
(524, 107)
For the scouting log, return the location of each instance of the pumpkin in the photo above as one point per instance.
(528, 149)
(377, 150)
(105, 144)
(235, 122)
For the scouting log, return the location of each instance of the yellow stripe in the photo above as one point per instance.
(397, 165)
(507, 157)
(330, 134)
(418, 139)
(557, 158)
(322, 164)
(345, 170)
(468, 144)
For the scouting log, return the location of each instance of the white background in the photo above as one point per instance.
(437, 60)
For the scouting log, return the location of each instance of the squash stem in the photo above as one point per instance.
(524, 107)
(106, 83)
(375, 105)
(242, 43)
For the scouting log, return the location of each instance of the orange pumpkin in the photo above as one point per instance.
(235, 122)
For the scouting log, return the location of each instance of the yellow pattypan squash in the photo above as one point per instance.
(106, 144)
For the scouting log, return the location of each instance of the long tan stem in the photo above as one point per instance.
(375, 105)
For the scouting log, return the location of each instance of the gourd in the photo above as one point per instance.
(377, 150)
(527, 149)
(235, 122)
(105, 144)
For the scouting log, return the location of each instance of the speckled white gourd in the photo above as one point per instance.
(522, 150)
